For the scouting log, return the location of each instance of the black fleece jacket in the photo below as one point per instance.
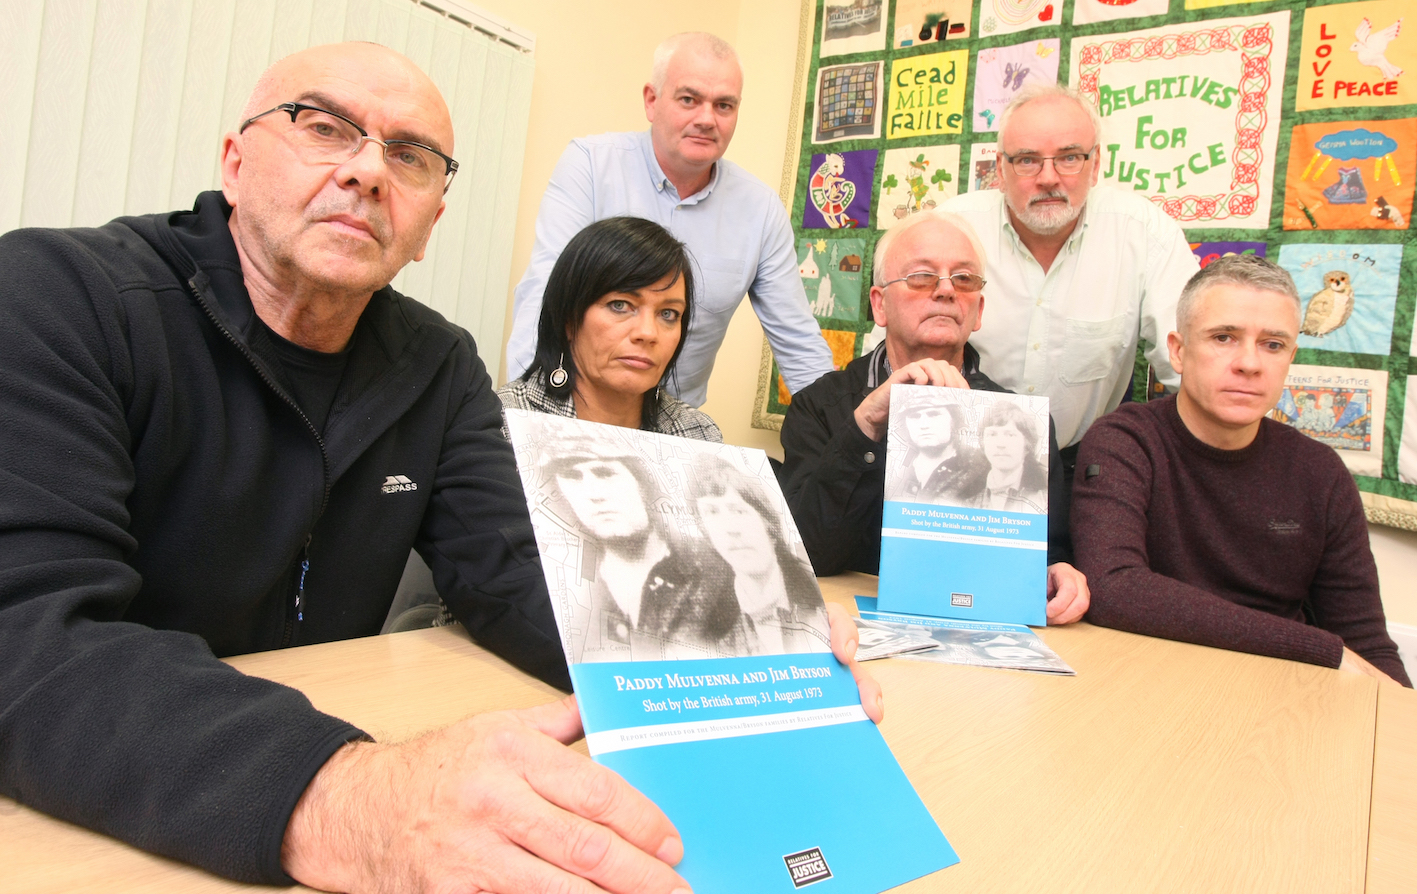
(834, 477)
(159, 492)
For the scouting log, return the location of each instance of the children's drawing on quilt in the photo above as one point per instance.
(1348, 295)
(921, 22)
(1407, 450)
(832, 272)
(914, 180)
(1007, 16)
(983, 167)
(1357, 54)
(839, 190)
(1190, 114)
(1085, 12)
(1210, 252)
(1351, 175)
(1337, 417)
(1342, 408)
(1002, 71)
(848, 103)
(853, 26)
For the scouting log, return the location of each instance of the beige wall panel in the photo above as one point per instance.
(393, 25)
(200, 125)
(291, 29)
(361, 20)
(20, 28)
(327, 21)
(767, 44)
(56, 126)
(157, 110)
(110, 102)
(504, 200)
(251, 29)
(463, 65)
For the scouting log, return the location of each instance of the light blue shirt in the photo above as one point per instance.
(736, 231)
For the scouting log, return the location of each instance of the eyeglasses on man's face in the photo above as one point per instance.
(322, 137)
(1029, 165)
(926, 282)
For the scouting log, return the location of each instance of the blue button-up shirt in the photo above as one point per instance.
(735, 228)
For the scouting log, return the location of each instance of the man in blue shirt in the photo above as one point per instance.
(674, 174)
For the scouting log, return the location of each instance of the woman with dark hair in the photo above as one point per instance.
(937, 458)
(613, 319)
(1012, 477)
(771, 604)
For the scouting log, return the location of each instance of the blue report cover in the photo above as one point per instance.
(700, 654)
(964, 529)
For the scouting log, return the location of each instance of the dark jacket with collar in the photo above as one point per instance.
(835, 477)
(161, 493)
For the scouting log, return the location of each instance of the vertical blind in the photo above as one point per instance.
(113, 107)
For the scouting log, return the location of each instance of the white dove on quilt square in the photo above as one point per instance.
(1371, 47)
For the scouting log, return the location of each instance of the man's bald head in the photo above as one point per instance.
(881, 266)
(365, 66)
(698, 42)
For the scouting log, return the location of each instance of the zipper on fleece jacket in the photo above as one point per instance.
(300, 588)
(295, 613)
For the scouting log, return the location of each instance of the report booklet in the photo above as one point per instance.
(885, 641)
(973, 643)
(700, 653)
(964, 530)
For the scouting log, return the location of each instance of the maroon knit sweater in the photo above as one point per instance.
(1262, 549)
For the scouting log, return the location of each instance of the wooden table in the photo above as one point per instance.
(1160, 767)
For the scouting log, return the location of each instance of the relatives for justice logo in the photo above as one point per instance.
(807, 867)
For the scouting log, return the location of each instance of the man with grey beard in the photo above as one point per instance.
(1076, 275)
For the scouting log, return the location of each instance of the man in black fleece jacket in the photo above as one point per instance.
(221, 432)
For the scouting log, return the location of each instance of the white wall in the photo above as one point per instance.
(1396, 553)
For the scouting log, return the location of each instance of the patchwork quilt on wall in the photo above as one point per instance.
(1287, 128)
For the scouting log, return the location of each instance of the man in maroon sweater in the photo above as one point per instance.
(1195, 518)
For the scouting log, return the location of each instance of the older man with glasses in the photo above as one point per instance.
(928, 293)
(222, 434)
(1077, 274)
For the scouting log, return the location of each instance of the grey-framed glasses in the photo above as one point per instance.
(926, 282)
(1032, 165)
(323, 137)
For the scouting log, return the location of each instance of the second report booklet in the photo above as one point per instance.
(964, 528)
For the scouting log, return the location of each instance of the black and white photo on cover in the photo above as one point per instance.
(971, 643)
(974, 449)
(657, 547)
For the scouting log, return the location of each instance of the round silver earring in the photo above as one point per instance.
(559, 375)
